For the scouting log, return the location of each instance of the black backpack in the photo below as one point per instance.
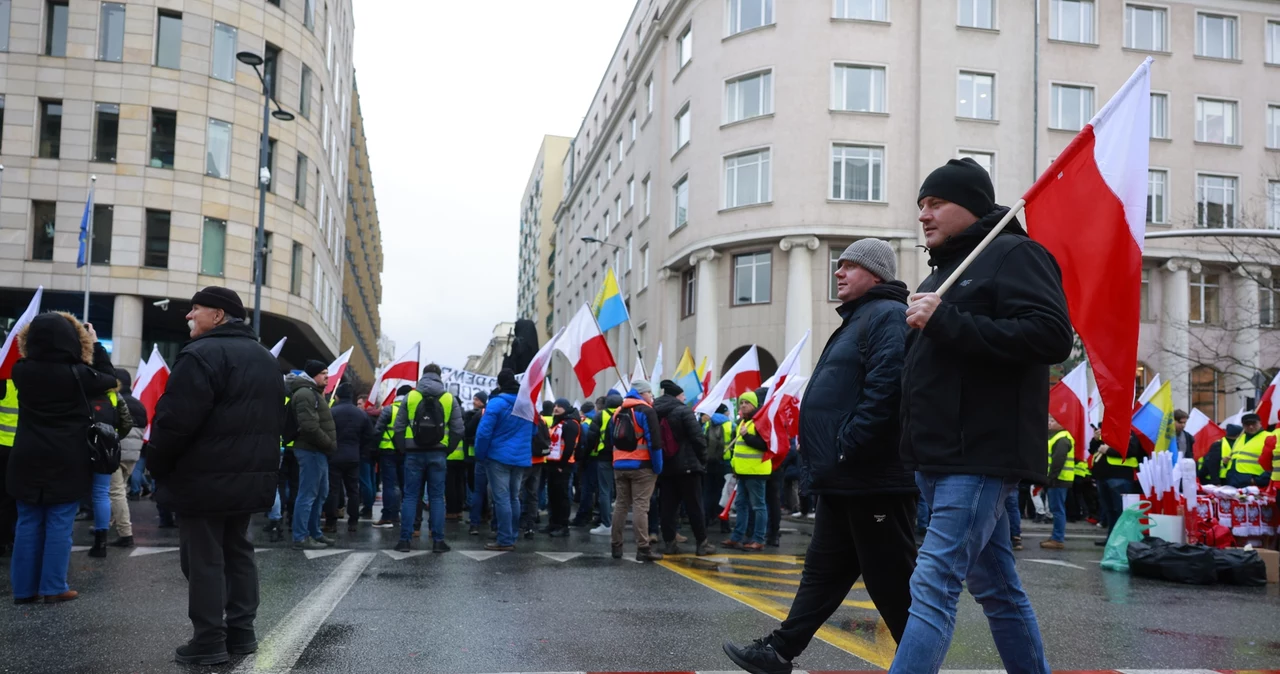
(542, 439)
(626, 433)
(429, 422)
(290, 431)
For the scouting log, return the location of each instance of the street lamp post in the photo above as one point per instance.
(264, 177)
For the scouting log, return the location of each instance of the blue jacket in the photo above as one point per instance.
(647, 418)
(502, 436)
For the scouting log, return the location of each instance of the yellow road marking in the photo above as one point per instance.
(851, 603)
(732, 566)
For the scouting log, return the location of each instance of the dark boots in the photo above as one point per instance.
(99, 548)
(123, 542)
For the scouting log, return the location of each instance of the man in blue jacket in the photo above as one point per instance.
(502, 446)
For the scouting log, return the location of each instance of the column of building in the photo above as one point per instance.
(1245, 347)
(1175, 335)
(799, 309)
(706, 318)
(126, 331)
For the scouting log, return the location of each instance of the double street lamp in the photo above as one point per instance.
(264, 178)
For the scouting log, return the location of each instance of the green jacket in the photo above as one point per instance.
(316, 430)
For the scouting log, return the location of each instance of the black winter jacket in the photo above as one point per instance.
(354, 433)
(975, 391)
(692, 455)
(49, 462)
(570, 434)
(215, 438)
(849, 428)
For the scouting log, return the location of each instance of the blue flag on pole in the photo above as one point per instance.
(85, 245)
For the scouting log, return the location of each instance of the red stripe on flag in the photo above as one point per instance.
(593, 358)
(406, 370)
(743, 382)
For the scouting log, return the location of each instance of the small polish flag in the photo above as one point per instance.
(742, 377)
(1067, 404)
(150, 384)
(275, 350)
(1269, 403)
(584, 346)
(403, 370)
(1203, 431)
(535, 377)
(9, 353)
(336, 369)
(786, 369)
(779, 420)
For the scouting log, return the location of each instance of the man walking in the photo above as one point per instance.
(428, 426)
(1062, 473)
(214, 452)
(354, 437)
(635, 441)
(975, 413)
(681, 481)
(849, 432)
(317, 439)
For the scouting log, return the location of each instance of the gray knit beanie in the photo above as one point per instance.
(875, 256)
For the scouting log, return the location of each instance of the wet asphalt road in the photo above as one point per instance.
(561, 611)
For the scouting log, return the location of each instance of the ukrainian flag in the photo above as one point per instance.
(687, 378)
(1154, 420)
(608, 306)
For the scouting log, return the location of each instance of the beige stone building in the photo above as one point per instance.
(542, 196)
(490, 362)
(735, 147)
(362, 280)
(148, 96)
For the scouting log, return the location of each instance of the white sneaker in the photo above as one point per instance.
(813, 516)
(797, 514)
(602, 530)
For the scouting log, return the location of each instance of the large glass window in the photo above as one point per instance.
(106, 130)
(1160, 116)
(270, 66)
(1144, 297)
(751, 278)
(747, 179)
(1071, 20)
(748, 14)
(1207, 391)
(271, 164)
(224, 52)
(156, 251)
(213, 247)
(1216, 121)
(50, 128)
(862, 10)
(1273, 204)
(1267, 304)
(100, 246)
(218, 149)
(1273, 41)
(6, 7)
(858, 88)
(1216, 36)
(1145, 28)
(266, 260)
(309, 17)
(295, 269)
(164, 131)
(986, 160)
(56, 14)
(688, 292)
(1273, 127)
(44, 215)
(857, 173)
(834, 264)
(304, 93)
(111, 32)
(648, 196)
(684, 47)
(748, 96)
(1215, 201)
(681, 191)
(976, 95)
(1157, 191)
(683, 127)
(976, 13)
(1070, 107)
(1204, 298)
(169, 40)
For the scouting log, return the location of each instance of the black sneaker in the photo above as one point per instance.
(440, 546)
(241, 642)
(402, 546)
(529, 533)
(758, 658)
(202, 654)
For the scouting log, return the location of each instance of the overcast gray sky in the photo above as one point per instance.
(456, 98)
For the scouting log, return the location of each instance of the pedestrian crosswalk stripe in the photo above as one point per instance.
(80, 548)
(481, 555)
(141, 551)
(1055, 562)
(560, 556)
(315, 554)
(398, 556)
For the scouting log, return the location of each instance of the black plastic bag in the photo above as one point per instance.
(1159, 559)
(1240, 567)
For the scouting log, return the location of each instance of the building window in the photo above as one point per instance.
(304, 93)
(106, 129)
(1157, 193)
(976, 14)
(1072, 20)
(224, 52)
(684, 47)
(631, 192)
(1273, 127)
(1204, 298)
(1215, 201)
(644, 269)
(834, 259)
(111, 32)
(213, 247)
(858, 88)
(620, 150)
(169, 40)
(1, 116)
(100, 246)
(688, 292)
(857, 173)
(1071, 107)
(630, 254)
(748, 14)
(295, 269)
(976, 96)
(56, 13)
(986, 160)
(633, 128)
(156, 253)
(648, 194)
(1160, 116)
(271, 164)
(599, 187)
(1207, 392)
(44, 216)
(1216, 121)
(1144, 296)
(1273, 204)
(747, 179)
(218, 149)
(270, 66)
(6, 7)
(309, 17)
(751, 278)
(1267, 303)
(862, 10)
(682, 202)
(1145, 28)
(1273, 41)
(748, 96)
(164, 130)
(1216, 37)
(608, 167)
(683, 124)
(50, 128)
(648, 96)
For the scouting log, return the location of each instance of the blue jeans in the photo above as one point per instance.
(922, 518)
(505, 482)
(605, 485)
(968, 542)
(1058, 506)
(1011, 510)
(366, 484)
(480, 493)
(313, 488)
(138, 477)
(433, 467)
(101, 502)
(42, 549)
(389, 464)
(750, 503)
(590, 477)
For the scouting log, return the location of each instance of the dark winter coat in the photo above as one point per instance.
(975, 392)
(215, 438)
(849, 427)
(354, 433)
(316, 431)
(692, 455)
(60, 369)
(570, 434)
(596, 432)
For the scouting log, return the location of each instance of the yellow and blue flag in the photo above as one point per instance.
(687, 378)
(608, 306)
(1154, 420)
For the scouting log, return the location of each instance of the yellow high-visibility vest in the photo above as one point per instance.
(387, 443)
(8, 414)
(446, 402)
(1246, 455)
(1068, 473)
(747, 460)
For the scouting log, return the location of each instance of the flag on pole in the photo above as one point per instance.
(583, 344)
(275, 350)
(1089, 210)
(402, 370)
(1234, 420)
(1204, 433)
(534, 378)
(9, 353)
(1154, 422)
(779, 419)
(1147, 392)
(658, 370)
(1068, 401)
(788, 365)
(742, 377)
(336, 369)
(637, 372)
(150, 384)
(1269, 404)
(609, 309)
(686, 376)
(705, 373)
(1095, 407)
(86, 246)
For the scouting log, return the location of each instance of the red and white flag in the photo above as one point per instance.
(779, 420)
(742, 377)
(584, 346)
(1269, 404)
(786, 369)
(403, 370)
(150, 383)
(1089, 210)
(1234, 420)
(336, 369)
(9, 353)
(527, 406)
(1095, 407)
(275, 350)
(1203, 432)
(1068, 400)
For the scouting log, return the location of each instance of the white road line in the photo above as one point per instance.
(141, 551)
(1055, 562)
(279, 652)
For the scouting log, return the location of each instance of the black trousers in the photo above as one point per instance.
(287, 483)
(676, 490)
(222, 579)
(872, 537)
(455, 487)
(8, 507)
(559, 477)
(343, 478)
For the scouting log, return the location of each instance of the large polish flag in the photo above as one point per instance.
(1068, 404)
(584, 346)
(1204, 433)
(336, 369)
(534, 378)
(1269, 405)
(742, 377)
(9, 353)
(403, 370)
(779, 420)
(1090, 210)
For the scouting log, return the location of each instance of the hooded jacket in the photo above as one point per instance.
(430, 386)
(316, 430)
(502, 436)
(353, 433)
(692, 454)
(975, 393)
(849, 427)
(61, 369)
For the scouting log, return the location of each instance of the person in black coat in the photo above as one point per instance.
(215, 452)
(681, 480)
(355, 439)
(849, 435)
(63, 366)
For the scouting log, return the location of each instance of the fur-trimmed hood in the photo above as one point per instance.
(56, 336)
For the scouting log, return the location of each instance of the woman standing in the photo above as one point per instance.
(49, 471)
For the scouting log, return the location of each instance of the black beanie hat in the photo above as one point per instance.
(344, 391)
(962, 182)
(670, 388)
(507, 379)
(314, 367)
(548, 408)
(404, 390)
(217, 297)
(481, 396)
